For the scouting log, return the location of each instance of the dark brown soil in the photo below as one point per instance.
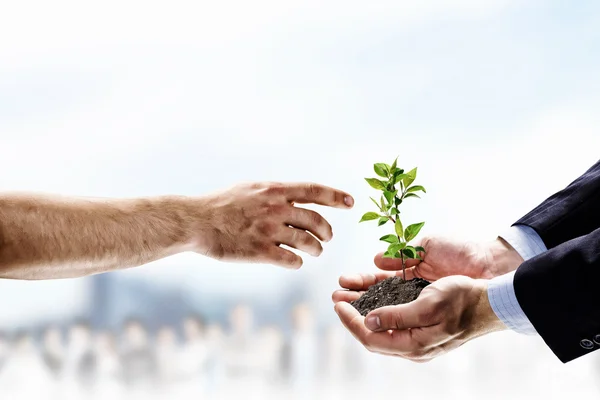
(389, 292)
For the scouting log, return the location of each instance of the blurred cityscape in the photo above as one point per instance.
(168, 349)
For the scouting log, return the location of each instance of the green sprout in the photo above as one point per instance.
(396, 187)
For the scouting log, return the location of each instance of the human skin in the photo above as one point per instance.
(448, 313)
(47, 237)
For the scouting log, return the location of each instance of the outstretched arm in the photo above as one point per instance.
(46, 237)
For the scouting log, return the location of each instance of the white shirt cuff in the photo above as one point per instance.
(525, 241)
(501, 290)
(502, 297)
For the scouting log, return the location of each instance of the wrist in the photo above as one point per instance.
(188, 217)
(485, 319)
(504, 258)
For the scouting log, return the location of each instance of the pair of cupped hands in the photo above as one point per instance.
(250, 222)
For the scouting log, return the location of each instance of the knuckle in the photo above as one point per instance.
(313, 190)
(425, 240)
(266, 228)
(260, 247)
(307, 239)
(393, 320)
(286, 258)
(316, 219)
(274, 209)
(338, 197)
(274, 189)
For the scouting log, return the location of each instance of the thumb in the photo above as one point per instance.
(411, 315)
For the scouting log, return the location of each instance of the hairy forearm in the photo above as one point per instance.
(45, 237)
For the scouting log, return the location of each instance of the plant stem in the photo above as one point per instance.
(403, 191)
(403, 266)
(401, 254)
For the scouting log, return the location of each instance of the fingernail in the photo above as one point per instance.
(349, 201)
(373, 323)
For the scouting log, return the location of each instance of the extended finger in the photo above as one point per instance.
(311, 221)
(301, 240)
(345, 295)
(317, 194)
(362, 281)
(393, 264)
(283, 258)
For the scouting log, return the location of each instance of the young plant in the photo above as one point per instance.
(396, 187)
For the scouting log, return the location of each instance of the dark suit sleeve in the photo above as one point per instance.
(559, 292)
(570, 213)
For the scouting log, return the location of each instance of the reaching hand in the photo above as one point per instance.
(447, 314)
(250, 221)
(446, 257)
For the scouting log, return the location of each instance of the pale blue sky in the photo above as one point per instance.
(151, 101)
(495, 101)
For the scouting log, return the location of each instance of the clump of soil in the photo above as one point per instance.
(389, 292)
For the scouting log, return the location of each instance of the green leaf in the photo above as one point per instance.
(389, 238)
(410, 177)
(419, 248)
(389, 196)
(398, 227)
(409, 252)
(394, 248)
(398, 201)
(399, 176)
(376, 183)
(378, 206)
(412, 231)
(387, 255)
(382, 221)
(369, 216)
(383, 206)
(393, 167)
(382, 169)
(411, 195)
(394, 211)
(416, 188)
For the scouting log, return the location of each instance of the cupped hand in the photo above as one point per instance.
(250, 222)
(445, 257)
(447, 314)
